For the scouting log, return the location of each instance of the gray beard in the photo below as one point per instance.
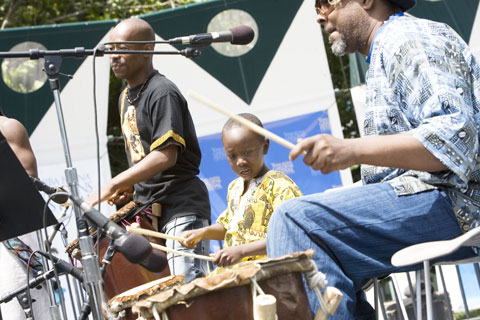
(339, 47)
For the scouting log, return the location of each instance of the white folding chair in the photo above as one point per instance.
(427, 251)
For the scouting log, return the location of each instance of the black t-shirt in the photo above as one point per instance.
(159, 118)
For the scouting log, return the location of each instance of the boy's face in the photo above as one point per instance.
(245, 151)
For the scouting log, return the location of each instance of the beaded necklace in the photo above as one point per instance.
(138, 94)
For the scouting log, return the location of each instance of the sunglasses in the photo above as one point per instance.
(324, 8)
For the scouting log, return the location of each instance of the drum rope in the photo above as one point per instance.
(263, 310)
(316, 281)
(257, 288)
(156, 315)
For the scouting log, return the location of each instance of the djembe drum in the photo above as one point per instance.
(230, 294)
(119, 306)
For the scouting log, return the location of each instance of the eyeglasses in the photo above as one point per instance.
(324, 8)
(125, 45)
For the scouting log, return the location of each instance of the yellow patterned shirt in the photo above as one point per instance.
(246, 217)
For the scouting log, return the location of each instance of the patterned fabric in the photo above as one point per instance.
(246, 217)
(23, 252)
(424, 80)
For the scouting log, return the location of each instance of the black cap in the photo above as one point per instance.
(404, 4)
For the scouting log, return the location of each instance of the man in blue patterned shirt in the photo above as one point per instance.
(420, 169)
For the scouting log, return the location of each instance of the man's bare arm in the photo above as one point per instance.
(154, 163)
(17, 138)
(327, 153)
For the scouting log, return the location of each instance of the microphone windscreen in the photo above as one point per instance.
(242, 34)
(134, 247)
(155, 262)
(60, 196)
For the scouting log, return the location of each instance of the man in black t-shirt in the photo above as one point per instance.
(161, 146)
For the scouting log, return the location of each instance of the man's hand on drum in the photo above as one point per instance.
(228, 256)
(120, 196)
(114, 196)
(325, 152)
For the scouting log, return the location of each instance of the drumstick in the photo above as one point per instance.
(247, 123)
(134, 229)
(181, 253)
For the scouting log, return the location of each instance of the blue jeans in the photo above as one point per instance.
(191, 268)
(354, 233)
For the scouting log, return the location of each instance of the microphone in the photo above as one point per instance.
(155, 262)
(59, 195)
(64, 266)
(133, 246)
(236, 35)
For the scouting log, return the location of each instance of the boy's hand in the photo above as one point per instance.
(192, 237)
(228, 256)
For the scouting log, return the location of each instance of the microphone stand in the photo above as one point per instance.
(107, 259)
(61, 265)
(54, 309)
(93, 281)
(49, 241)
(21, 293)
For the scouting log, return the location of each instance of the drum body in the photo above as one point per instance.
(237, 303)
(228, 294)
(121, 275)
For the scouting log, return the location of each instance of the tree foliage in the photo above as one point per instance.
(18, 13)
(16, 75)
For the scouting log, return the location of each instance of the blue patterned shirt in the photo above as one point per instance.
(424, 80)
